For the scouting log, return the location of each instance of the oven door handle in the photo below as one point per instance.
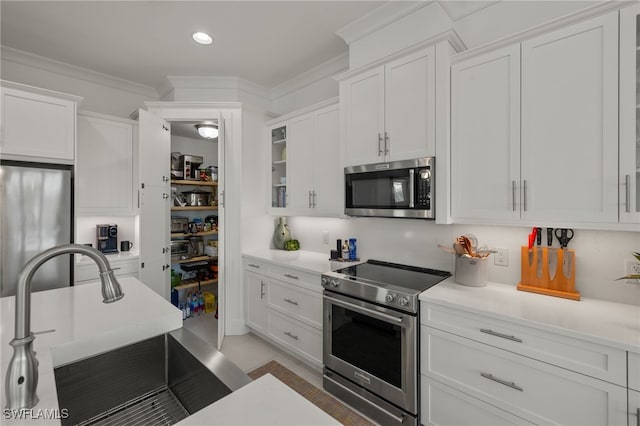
(363, 310)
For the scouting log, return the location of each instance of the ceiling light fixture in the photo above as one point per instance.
(207, 131)
(202, 38)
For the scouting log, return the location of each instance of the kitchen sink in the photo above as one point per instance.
(158, 381)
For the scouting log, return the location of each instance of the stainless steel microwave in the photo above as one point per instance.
(395, 189)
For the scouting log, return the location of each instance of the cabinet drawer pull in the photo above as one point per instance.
(293, 336)
(504, 336)
(253, 266)
(501, 381)
(293, 302)
(291, 276)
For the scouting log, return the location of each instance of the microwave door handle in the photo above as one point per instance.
(412, 176)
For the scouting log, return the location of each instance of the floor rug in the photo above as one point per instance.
(318, 397)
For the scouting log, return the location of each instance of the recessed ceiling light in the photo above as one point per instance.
(202, 38)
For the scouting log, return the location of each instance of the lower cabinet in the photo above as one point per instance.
(86, 271)
(444, 405)
(494, 377)
(284, 306)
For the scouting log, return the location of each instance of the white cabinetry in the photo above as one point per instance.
(284, 305)
(86, 271)
(155, 199)
(485, 136)
(107, 166)
(312, 164)
(37, 124)
(389, 110)
(630, 114)
(508, 373)
(543, 142)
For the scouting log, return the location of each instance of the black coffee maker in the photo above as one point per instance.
(107, 238)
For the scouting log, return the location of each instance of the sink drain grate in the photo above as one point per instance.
(159, 407)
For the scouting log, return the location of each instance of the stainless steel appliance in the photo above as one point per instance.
(107, 238)
(371, 337)
(395, 189)
(36, 213)
(180, 250)
(179, 224)
(189, 166)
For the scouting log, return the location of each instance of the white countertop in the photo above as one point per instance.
(305, 261)
(271, 403)
(122, 256)
(84, 326)
(613, 324)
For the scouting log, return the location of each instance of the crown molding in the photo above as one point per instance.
(379, 18)
(301, 111)
(40, 91)
(557, 23)
(237, 84)
(327, 69)
(61, 68)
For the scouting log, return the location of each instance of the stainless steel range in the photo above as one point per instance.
(370, 347)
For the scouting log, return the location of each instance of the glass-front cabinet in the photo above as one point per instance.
(279, 166)
(630, 114)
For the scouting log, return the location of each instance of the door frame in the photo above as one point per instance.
(229, 182)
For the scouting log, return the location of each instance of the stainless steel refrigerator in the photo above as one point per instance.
(36, 213)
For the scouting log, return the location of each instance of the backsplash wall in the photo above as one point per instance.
(600, 255)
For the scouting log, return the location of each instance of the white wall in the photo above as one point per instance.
(600, 255)
(101, 93)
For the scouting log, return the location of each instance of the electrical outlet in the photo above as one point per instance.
(631, 267)
(501, 257)
(325, 237)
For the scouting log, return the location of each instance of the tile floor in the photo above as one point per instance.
(249, 351)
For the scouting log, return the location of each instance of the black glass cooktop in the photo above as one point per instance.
(386, 273)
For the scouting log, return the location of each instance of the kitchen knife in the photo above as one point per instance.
(539, 251)
(532, 237)
(553, 256)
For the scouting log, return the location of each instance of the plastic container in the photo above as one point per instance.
(471, 271)
(209, 302)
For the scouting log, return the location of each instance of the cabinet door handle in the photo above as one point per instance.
(512, 385)
(386, 143)
(293, 302)
(627, 193)
(524, 195)
(310, 202)
(504, 336)
(261, 289)
(138, 198)
(291, 276)
(253, 266)
(379, 144)
(165, 196)
(513, 194)
(315, 199)
(293, 336)
(165, 179)
(638, 417)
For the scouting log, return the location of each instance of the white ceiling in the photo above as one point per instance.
(266, 42)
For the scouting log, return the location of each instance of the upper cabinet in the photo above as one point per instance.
(37, 124)
(534, 129)
(107, 171)
(389, 110)
(306, 168)
(630, 114)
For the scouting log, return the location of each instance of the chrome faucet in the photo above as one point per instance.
(22, 375)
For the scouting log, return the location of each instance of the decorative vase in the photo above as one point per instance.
(282, 233)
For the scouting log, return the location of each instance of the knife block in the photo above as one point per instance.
(560, 285)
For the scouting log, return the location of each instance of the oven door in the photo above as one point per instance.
(373, 347)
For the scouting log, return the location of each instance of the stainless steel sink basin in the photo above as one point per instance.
(158, 381)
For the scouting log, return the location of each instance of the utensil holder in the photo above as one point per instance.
(471, 271)
(558, 286)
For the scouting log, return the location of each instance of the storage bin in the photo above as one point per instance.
(471, 271)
